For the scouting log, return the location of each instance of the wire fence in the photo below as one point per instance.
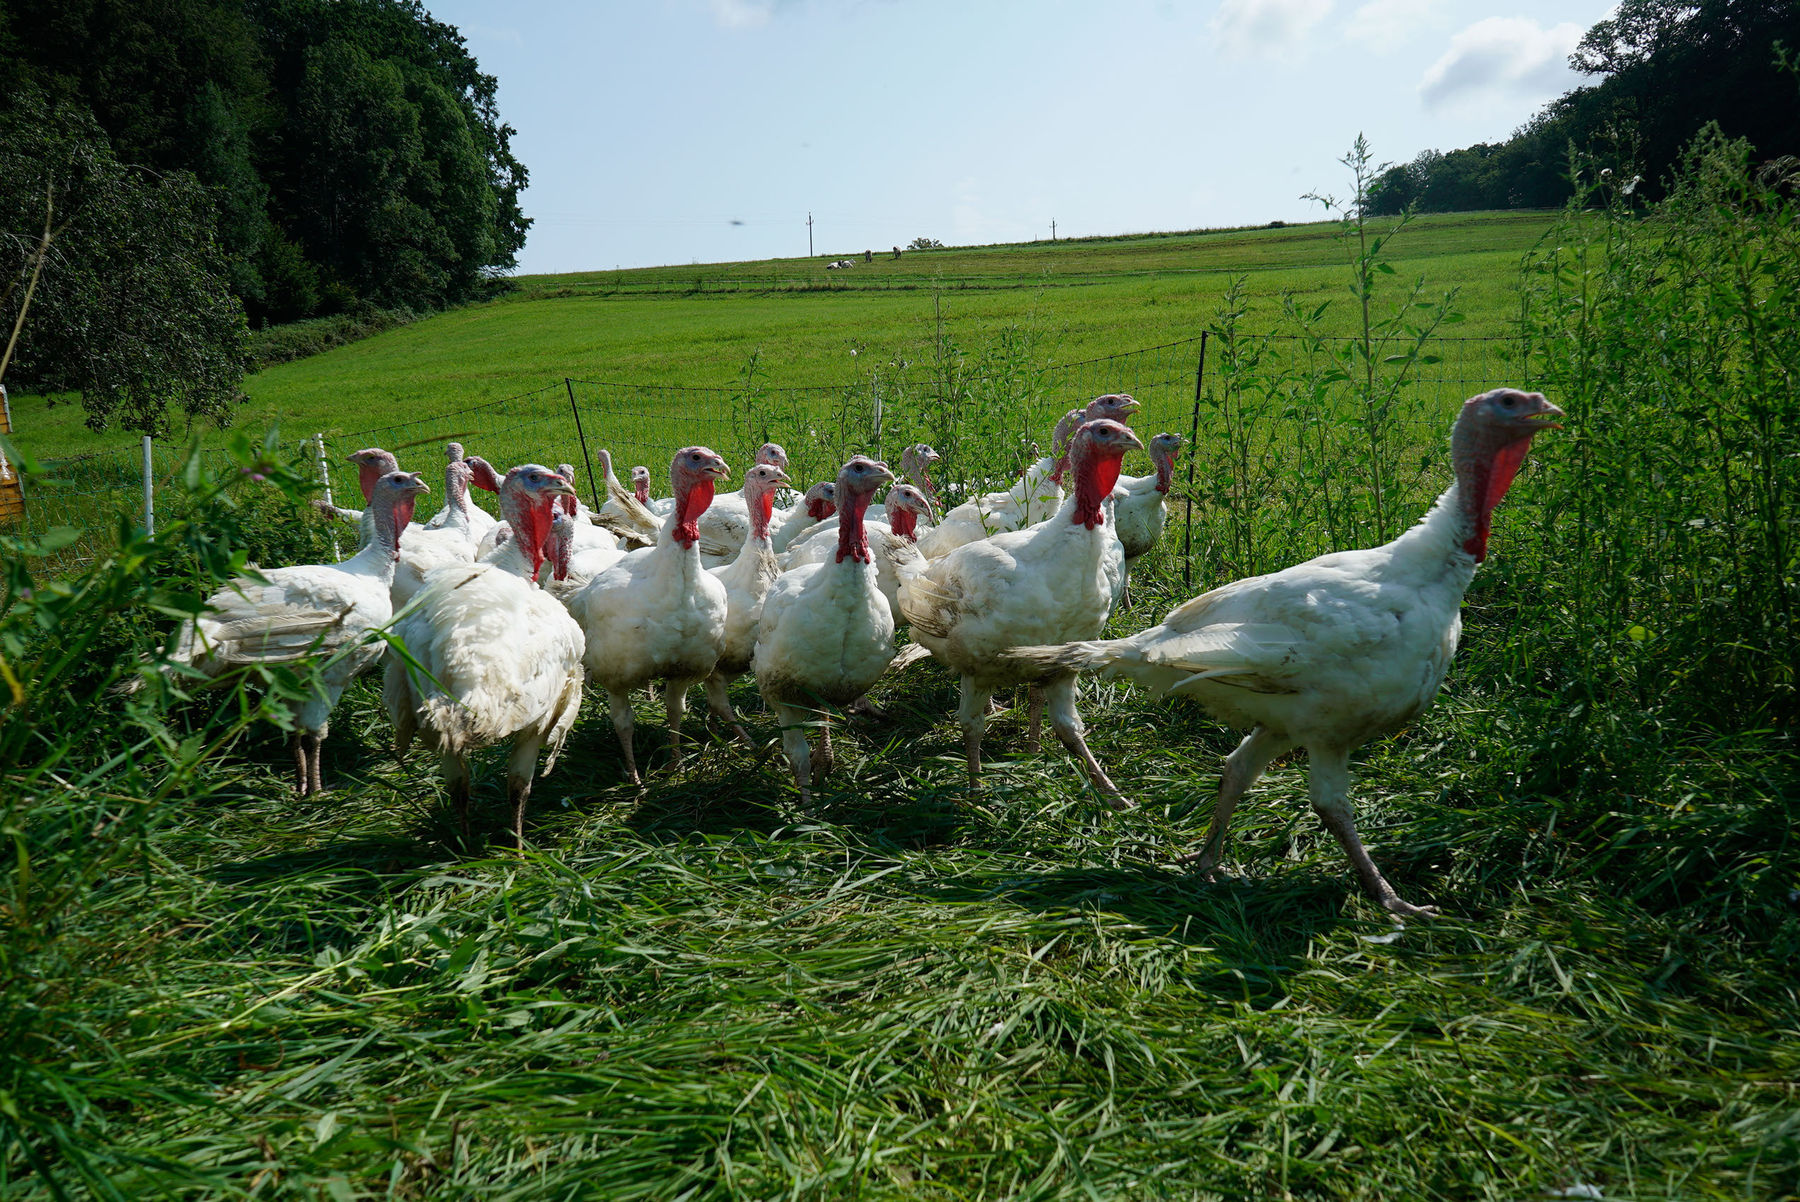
(1292, 452)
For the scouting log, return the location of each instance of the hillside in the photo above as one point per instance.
(701, 325)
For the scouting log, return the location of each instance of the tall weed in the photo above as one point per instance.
(90, 776)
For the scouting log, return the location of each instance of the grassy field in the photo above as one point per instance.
(654, 328)
(694, 991)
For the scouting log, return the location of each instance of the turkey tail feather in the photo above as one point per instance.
(1064, 657)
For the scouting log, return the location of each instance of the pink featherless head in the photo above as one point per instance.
(528, 499)
(1488, 445)
(821, 500)
(1115, 406)
(1095, 453)
(691, 474)
(482, 474)
(856, 483)
(372, 463)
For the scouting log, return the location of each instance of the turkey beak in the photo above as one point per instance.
(781, 477)
(1545, 418)
(930, 513)
(715, 467)
(1132, 441)
(560, 487)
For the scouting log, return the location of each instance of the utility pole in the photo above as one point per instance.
(809, 252)
(1053, 229)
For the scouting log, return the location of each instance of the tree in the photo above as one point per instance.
(115, 284)
(257, 97)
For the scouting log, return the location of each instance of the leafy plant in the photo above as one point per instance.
(90, 777)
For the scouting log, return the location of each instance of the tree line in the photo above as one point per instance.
(172, 171)
(1665, 69)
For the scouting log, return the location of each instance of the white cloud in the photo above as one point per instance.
(1271, 27)
(1387, 24)
(1503, 59)
(743, 14)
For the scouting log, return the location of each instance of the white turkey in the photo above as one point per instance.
(490, 657)
(983, 599)
(1140, 505)
(817, 505)
(569, 563)
(463, 511)
(634, 524)
(1034, 497)
(894, 542)
(827, 632)
(915, 469)
(309, 611)
(640, 484)
(423, 551)
(726, 523)
(657, 613)
(372, 463)
(1338, 650)
(747, 580)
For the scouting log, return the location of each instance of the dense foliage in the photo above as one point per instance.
(117, 274)
(1666, 68)
(350, 154)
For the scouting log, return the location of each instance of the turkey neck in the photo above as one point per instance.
(916, 471)
(904, 522)
(456, 492)
(562, 547)
(691, 500)
(1165, 472)
(1095, 475)
(1485, 469)
(390, 519)
(852, 539)
(368, 473)
(530, 522)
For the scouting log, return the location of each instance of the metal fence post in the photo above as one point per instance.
(593, 487)
(325, 477)
(1187, 536)
(149, 493)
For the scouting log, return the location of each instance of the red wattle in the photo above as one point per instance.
(1107, 472)
(852, 540)
(366, 475)
(403, 514)
(691, 504)
(1491, 482)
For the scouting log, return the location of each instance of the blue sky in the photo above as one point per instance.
(698, 131)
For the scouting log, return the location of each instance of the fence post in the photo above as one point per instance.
(1187, 536)
(149, 494)
(12, 490)
(325, 477)
(593, 487)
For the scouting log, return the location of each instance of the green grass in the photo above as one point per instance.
(694, 991)
(1078, 300)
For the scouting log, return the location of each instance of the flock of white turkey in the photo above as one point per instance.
(495, 627)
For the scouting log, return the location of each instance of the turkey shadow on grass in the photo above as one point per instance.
(1257, 932)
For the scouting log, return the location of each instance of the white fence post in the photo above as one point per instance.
(325, 476)
(149, 490)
